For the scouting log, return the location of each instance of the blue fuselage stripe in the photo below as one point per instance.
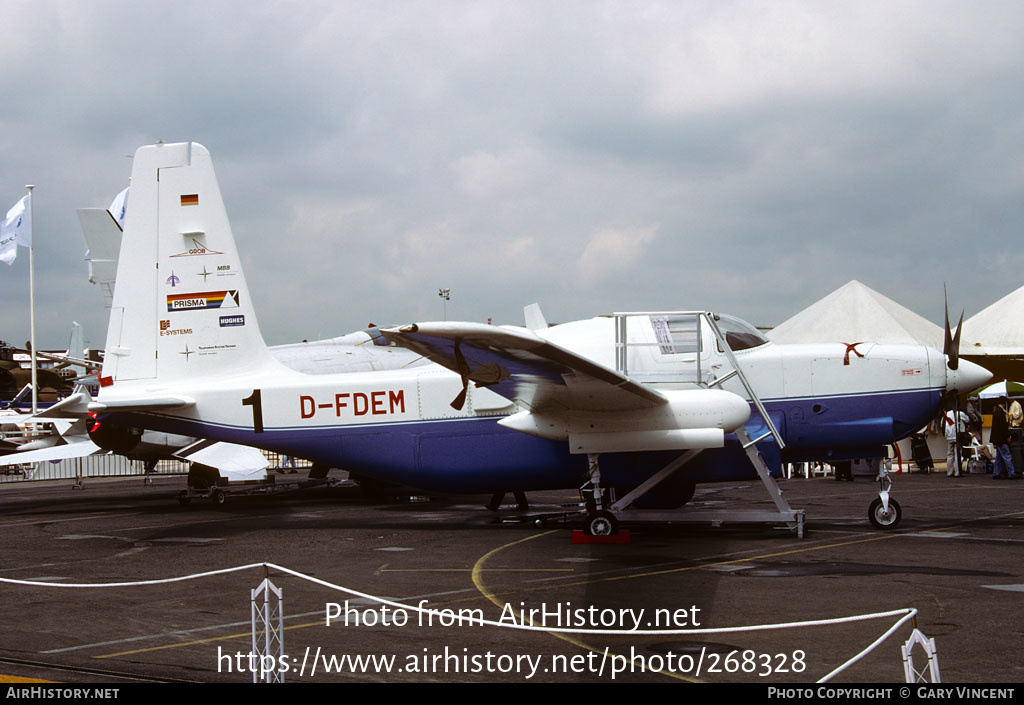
(477, 455)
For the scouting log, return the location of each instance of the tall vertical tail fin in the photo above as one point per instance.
(181, 307)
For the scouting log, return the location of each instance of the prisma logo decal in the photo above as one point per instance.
(356, 404)
(205, 300)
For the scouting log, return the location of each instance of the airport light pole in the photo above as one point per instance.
(446, 295)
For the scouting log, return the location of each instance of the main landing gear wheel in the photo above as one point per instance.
(882, 519)
(183, 498)
(601, 523)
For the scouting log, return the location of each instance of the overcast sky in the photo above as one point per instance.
(746, 157)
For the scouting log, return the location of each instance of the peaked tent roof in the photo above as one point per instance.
(857, 313)
(996, 330)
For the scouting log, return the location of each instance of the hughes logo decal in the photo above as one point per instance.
(231, 321)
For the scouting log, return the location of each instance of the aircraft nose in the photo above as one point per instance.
(967, 377)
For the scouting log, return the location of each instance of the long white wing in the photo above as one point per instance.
(524, 367)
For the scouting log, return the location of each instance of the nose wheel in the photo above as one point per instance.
(882, 517)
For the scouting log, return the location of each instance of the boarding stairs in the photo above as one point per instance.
(783, 514)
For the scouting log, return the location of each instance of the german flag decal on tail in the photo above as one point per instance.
(190, 199)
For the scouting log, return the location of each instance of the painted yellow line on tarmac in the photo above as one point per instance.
(470, 570)
(22, 679)
(27, 522)
(666, 571)
(244, 635)
(714, 564)
(478, 571)
(478, 567)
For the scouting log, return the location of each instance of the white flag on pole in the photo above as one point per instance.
(15, 230)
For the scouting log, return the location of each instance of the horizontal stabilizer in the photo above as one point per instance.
(103, 238)
(71, 407)
(154, 404)
(76, 447)
(226, 457)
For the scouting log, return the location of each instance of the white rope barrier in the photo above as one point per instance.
(905, 613)
(134, 583)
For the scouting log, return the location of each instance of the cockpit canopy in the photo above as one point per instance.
(739, 334)
(679, 333)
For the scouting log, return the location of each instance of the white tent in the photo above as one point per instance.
(996, 330)
(994, 337)
(1001, 389)
(856, 313)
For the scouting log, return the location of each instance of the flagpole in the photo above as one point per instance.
(32, 304)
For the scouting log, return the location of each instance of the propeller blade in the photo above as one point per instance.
(951, 343)
(954, 358)
(460, 401)
(460, 362)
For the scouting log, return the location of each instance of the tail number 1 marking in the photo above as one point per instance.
(256, 403)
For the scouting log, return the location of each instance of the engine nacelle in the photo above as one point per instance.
(697, 418)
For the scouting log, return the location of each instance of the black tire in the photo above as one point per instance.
(881, 519)
(183, 498)
(219, 497)
(601, 523)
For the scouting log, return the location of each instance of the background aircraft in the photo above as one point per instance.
(639, 391)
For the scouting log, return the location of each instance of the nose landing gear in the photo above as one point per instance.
(884, 512)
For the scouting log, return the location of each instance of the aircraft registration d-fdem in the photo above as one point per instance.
(643, 392)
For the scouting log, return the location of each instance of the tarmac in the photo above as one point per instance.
(955, 558)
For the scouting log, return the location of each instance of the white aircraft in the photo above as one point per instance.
(621, 402)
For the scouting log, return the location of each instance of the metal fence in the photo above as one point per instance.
(94, 466)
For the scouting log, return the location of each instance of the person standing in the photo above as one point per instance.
(1000, 438)
(1015, 417)
(955, 425)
